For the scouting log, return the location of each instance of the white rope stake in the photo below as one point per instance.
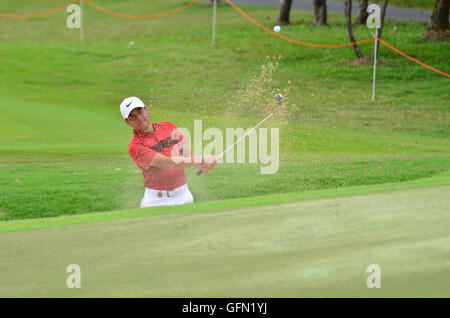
(81, 21)
(375, 53)
(214, 23)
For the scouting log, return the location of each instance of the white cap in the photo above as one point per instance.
(129, 104)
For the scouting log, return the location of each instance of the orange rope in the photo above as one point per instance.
(290, 39)
(38, 14)
(411, 58)
(132, 16)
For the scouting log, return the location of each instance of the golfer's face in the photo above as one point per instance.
(138, 118)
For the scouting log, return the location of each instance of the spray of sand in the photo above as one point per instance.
(256, 99)
(245, 108)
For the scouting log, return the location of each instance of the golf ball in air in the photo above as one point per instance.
(277, 28)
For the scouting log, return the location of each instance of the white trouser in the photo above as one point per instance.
(177, 196)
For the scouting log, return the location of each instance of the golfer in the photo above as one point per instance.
(153, 148)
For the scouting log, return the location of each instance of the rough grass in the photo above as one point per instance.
(309, 248)
(62, 137)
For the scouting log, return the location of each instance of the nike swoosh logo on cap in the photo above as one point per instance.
(129, 103)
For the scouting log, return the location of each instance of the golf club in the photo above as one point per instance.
(279, 99)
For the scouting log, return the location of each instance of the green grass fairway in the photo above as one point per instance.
(304, 248)
(359, 182)
(63, 148)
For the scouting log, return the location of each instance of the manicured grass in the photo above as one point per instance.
(217, 205)
(309, 248)
(62, 139)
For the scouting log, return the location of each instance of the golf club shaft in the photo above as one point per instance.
(248, 133)
(245, 135)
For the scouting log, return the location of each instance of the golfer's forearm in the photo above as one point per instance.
(175, 163)
(183, 163)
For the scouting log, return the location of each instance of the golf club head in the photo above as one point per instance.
(278, 98)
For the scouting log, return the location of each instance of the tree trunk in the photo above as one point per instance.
(362, 12)
(283, 12)
(348, 22)
(383, 15)
(439, 19)
(320, 12)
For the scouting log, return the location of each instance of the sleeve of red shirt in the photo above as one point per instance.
(141, 155)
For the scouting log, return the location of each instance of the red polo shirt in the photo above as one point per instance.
(143, 147)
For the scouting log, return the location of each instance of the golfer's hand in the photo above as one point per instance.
(208, 163)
